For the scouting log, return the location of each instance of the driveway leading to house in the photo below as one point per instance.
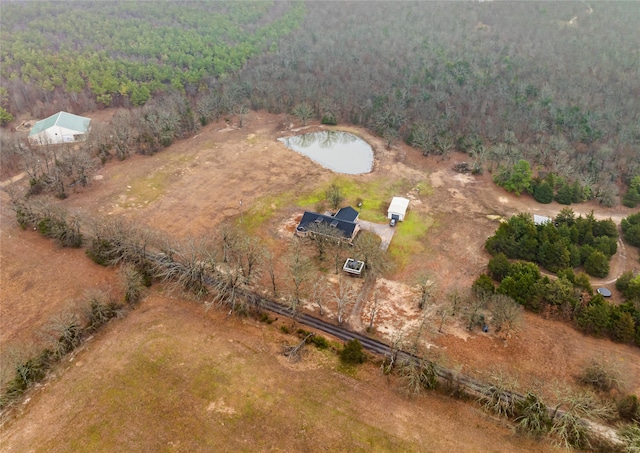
(381, 229)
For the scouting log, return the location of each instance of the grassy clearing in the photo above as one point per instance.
(264, 209)
(375, 196)
(149, 189)
(408, 238)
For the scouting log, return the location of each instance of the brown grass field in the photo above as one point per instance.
(174, 377)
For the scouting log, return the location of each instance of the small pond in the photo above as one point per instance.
(336, 150)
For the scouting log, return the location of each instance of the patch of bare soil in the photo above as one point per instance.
(467, 209)
(174, 377)
(191, 187)
(545, 355)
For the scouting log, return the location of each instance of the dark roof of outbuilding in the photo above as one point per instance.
(346, 227)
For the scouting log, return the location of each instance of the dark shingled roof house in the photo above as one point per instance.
(345, 221)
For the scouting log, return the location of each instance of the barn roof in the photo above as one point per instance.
(399, 205)
(62, 119)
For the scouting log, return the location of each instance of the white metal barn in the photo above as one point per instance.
(398, 208)
(540, 219)
(62, 127)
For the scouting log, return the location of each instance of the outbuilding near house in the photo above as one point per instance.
(353, 266)
(62, 127)
(398, 208)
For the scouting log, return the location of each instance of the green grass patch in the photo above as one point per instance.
(264, 209)
(147, 190)
(408, 238)
(375, 196)
(348, 369)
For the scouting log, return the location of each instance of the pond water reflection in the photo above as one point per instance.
(336, 150)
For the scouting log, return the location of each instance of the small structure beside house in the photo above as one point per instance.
(353, 266)
(397, 209)
(62, 127)
(540, 219)
(344, 221)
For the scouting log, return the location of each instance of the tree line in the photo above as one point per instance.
(560, 243)
(560, 246)
(549, 84)
(503, 82)
(121, 53)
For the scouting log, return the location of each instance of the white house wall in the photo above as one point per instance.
(55, 135)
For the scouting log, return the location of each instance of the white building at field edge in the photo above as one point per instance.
(398, 208)
(62, 127)
(541, 220)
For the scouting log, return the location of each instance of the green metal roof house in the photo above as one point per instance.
(62, 127)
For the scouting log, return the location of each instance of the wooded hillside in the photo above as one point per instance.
(554, 83)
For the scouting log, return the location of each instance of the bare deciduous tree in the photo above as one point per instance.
(271, 268)
(417, 375)
(391, 358)
(242, 265)
(473, 310)
(568, 427)
(51, 221)
(449, 309)
(115, 241)
(299, 272)
(344, 295)
(506, 314)
(132, 283)
(294, 353)
(334, 196)
(319, 288)
(77, 165)
(373, 311)
(367, 249)
(191, 266)
(123, 134)
(324, 236)
(426, 287)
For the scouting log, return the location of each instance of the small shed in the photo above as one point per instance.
(398, 208)
(62, 127)
(352, 266)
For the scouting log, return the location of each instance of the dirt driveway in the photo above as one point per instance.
(381, 229)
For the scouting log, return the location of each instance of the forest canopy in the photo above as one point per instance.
(131, 49)
(550, 83)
